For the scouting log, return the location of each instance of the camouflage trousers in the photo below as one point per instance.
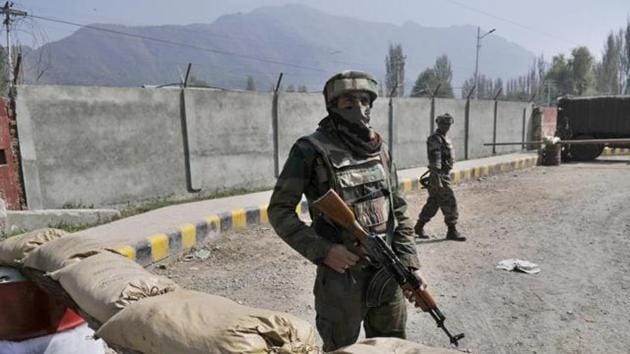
(440, 197)
(341, 306)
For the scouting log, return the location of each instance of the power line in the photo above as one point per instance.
(511, 22)
(192, 46)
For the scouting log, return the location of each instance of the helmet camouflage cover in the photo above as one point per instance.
(444, 118)
(349, 80)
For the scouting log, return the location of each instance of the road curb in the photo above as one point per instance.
(458, 176)
(616, 151)
(163, 245)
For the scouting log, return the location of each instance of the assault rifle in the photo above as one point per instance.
(379, 252)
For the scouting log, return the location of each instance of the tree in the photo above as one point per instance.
(251, 85)
(467, 87)
(498, 85)
(5, 75)
(395, 71)
(444, 75)
(302, 88)
(560, 76)
(607, 72)
(541, 71)
(291, 88)
(430, 79)
(582, 69)
(625, 60)
(425, 84)
(193, 81)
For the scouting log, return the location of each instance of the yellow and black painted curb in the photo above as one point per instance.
(616, 151)
(459, 176)
(160, 246)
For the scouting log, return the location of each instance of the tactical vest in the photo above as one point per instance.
(363, 183)
(446, 153)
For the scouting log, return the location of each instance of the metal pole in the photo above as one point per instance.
(9, 56)
(274, 127)
(466, 125)
(390, 123)
(479, 37)
(477, 60)
(8, 11)
(494, 128)
(523, 135)
(432, 118)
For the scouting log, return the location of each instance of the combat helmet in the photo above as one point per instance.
(350, 80)
(445, 119)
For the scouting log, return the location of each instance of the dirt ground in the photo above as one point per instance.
(573, 220)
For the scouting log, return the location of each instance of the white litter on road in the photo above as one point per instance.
(520, 265)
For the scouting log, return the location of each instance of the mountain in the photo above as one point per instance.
(224, 53)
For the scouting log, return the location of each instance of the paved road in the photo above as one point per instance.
(573, 220)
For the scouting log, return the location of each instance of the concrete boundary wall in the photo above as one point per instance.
(103, 147)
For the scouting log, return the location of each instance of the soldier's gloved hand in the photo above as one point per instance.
(340, 259)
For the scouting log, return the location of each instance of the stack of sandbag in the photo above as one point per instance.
(105, 283)
(192, 322)
(147, 313)
(391, 346)
(14, 249)
(65, 251)
(99, 280)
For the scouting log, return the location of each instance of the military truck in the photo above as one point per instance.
(597, 117)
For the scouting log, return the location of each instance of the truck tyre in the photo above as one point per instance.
(585, 152)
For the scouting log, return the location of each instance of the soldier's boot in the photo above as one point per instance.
(454, 235)
(419, 229)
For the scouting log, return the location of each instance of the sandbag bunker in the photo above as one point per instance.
(135, 311)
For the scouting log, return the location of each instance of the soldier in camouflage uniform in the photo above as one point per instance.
(346, 154)
(438, 183)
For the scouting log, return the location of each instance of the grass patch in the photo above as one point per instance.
(137, 209)
(15, 232)
(132, 210)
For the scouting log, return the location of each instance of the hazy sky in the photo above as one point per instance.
(542, 26)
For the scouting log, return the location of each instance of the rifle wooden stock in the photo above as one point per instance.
(335, 208)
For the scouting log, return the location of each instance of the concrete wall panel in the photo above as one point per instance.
(99, 146)
(510, 124)
(230, 139)
(412, 121)
(480, 125)
(298, 115)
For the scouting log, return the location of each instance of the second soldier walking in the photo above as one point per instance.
(438, 182)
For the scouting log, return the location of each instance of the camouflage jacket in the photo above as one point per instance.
(440, 153)
(305, 172)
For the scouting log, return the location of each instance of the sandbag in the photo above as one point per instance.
(59, 253)
(105, 283)
(14, 249)
(391, 346)
(191, 322)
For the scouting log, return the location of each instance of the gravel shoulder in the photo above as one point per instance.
(573, 220)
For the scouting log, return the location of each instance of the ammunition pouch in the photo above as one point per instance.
(381, 288)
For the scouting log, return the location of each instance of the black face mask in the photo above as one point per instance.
(352, 125)
(354, 116)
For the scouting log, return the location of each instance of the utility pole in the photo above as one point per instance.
(479, 37)
(8, 12)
